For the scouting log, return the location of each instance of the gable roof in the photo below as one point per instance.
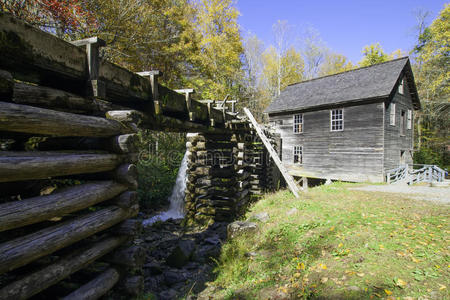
(358, 85)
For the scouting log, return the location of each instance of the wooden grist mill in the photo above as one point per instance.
(69, 119)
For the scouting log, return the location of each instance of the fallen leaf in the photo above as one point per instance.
(297, 275)
(360, 274)
(340, 245)
(381, 247)
(442, 287)
(300, 266)
(401, 283)
(324, 279)
(388, 292)
(323, 266)
(332, 228)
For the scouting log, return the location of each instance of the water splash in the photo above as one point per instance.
(176, 199)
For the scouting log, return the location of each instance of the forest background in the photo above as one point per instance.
(199, 44)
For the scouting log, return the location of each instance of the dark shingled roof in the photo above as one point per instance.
(376, 81)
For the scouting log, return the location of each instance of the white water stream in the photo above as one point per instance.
(176, 199)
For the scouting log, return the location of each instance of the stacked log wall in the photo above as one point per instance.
(68, 121)
(211, 183)
(226, 173)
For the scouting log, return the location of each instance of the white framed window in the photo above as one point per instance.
(402, 122)
(401, 86)
(392, 114)
(298, 123)
(337, 119)
(409, 123)
(298, 155)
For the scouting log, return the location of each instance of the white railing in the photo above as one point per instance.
(415, 173)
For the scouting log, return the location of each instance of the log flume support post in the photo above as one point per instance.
(97, 287)
(22, 250)
(40, 280)
(29, 119)
(37, 209)
(15, 166)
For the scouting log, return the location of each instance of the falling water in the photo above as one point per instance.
(176, 199)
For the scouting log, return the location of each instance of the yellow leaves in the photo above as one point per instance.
(442, 287)
(300, 266)
(381, 247)
(324, 279)
(415, 259)
(360, 274)
(332, 228)
(297, 275)
(340, 245)
(401, 283)
(388, 292)
(437, 266)
(323, 266)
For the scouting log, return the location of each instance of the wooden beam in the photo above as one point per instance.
(51, 98)
(29, 119)
(273, 154)
(15, 166)
(187, 93)
(25, 249)
(37, 209)
(38, 281)
(36, 56)
(97, 287)
(93, 45)
(153, 79)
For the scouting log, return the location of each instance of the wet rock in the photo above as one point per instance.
(154, 268)
(172, 277)
(154, 283)
(168, 295)
(182, 253)
(239, 228)
(261, 217)
(213, 240)
(204, 253)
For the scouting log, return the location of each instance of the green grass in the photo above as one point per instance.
(339, 244)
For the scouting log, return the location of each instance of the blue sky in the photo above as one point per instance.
(345, 26)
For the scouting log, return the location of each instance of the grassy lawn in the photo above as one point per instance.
(336, 243)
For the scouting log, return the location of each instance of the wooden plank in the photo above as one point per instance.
(29, 119)
(274, 155)
(38, 281)
(15, 166)
(37, 209)
(97, 287)
(36, 56)
(161, 122)
(25, 249)
(122, 85)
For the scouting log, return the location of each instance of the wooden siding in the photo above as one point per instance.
(354, 154)
(394, 142)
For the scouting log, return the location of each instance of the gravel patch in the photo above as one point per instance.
(427, 193)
